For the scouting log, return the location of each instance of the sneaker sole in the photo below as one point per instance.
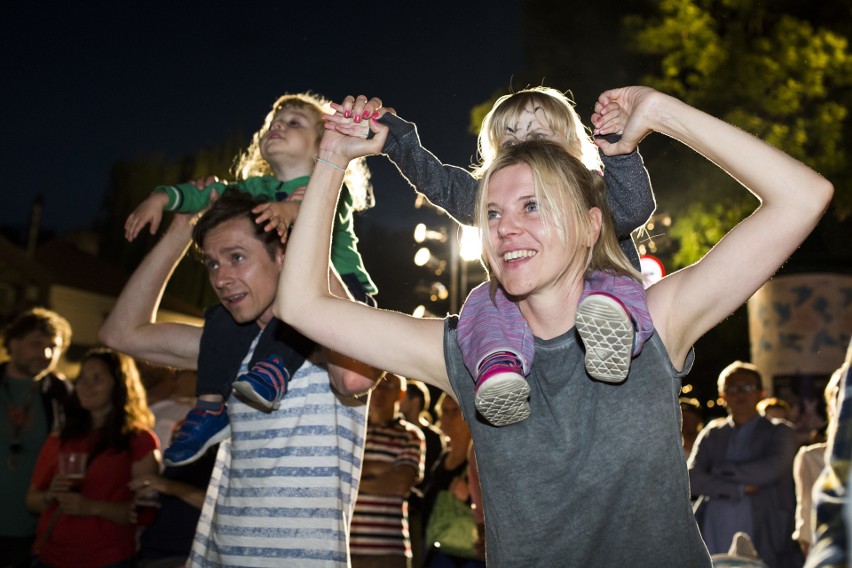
(246, 391)
(503, 399)
(607, 334)
(215, 439)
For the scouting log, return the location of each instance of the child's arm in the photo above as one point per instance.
(189, 197)
(449, 187)
(149, 211)
(628, 187)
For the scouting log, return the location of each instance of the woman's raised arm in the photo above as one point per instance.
(385, 340)
(792, 197)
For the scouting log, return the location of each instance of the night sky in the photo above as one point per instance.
(89, 83)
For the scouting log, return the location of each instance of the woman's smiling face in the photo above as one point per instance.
(94, 386)
(523, 254)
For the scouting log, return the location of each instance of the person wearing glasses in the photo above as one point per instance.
(741, 468)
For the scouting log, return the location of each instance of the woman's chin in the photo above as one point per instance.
(516, 293)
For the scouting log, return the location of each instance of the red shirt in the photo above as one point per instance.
(82, 542)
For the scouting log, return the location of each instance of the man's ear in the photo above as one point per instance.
(595, 220)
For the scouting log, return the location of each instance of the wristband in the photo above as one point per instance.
(338, 168)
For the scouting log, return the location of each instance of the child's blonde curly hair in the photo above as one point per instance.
(251, 164)
(558, 111)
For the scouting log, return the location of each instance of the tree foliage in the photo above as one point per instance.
(782, 75)
(777, 69)
(781, 70)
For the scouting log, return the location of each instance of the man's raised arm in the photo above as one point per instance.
(131, 326)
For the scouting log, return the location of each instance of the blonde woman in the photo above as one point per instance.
(596, 475)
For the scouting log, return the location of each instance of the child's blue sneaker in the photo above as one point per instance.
(202, 428)
(501, 394)
(265, 383)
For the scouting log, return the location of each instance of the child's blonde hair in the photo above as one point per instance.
(565, 190)
(251, 163)
(561, 118)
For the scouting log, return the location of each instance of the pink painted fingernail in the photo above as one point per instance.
(366, 114)
(375, 114)
(357, 118)
(346, 114)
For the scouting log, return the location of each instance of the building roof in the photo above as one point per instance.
(68, 265)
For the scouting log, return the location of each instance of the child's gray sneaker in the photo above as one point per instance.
(607, 333)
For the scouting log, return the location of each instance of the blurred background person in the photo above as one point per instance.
(774, 408)
(692, 422)
(107, 421)
(451, 528)
(34, 398)
(742, 470)
(167, 404)
(809, 463)
(415, 407)
(833, 503)
(177, 496)
(393, 464)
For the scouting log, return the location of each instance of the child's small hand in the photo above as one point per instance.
(297, 195)
(352, 116)
(639, 105)
(278, 216)
(608, 118)
(149, 211)
(342, 143)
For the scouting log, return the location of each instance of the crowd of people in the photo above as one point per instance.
(561, 438)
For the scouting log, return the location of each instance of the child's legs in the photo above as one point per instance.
(211, 386)
(223, 345)
(211, 397)
(631, 294)
(485, 328)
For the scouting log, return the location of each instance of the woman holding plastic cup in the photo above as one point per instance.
(79, 485)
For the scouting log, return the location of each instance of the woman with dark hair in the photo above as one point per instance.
(91, 521)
